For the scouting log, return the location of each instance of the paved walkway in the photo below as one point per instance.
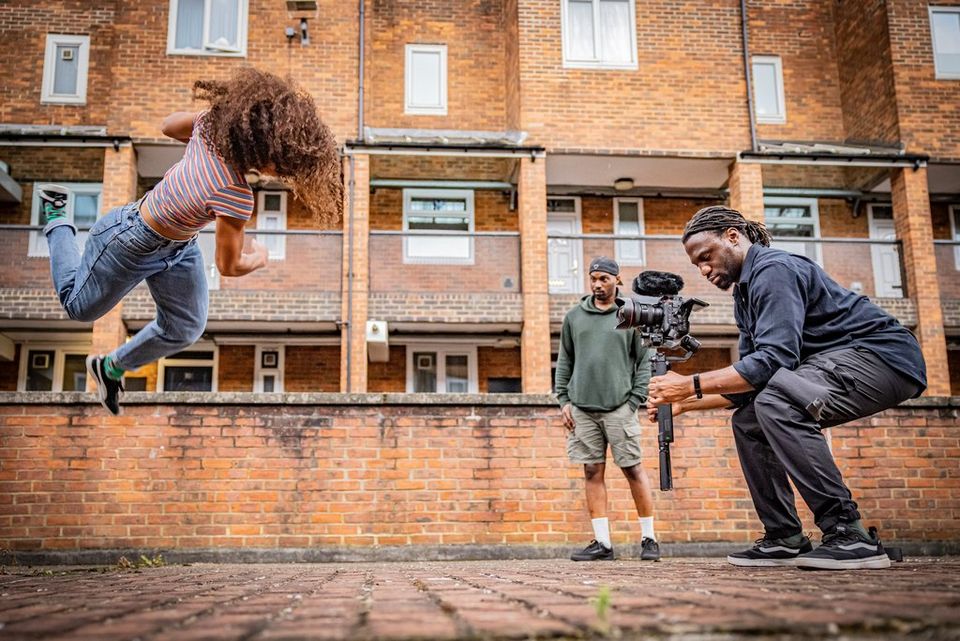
(676, 598)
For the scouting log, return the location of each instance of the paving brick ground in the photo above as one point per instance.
(676, 598)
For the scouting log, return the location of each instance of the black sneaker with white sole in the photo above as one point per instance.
(847, 548)
(596, 551)
(109, 390)
(768, 552)
(649, 549)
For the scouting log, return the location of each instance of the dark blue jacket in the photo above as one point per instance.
(788, 309)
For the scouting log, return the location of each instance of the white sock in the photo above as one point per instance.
(646, 527)
(601, 531)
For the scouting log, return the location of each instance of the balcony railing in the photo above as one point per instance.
(872, 267)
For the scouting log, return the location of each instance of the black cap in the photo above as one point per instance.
(604, 264)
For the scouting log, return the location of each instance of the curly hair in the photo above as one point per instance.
(257, 120)
(718, 219)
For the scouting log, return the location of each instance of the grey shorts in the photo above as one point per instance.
(587, 443)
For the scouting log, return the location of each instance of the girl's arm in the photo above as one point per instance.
(179, 125)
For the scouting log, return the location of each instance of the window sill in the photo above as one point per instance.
(206, 54)
(601, 66)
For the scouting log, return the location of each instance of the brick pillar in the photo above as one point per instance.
(746, 189)
(356, 263)
(535, 337)
(119, 188)
(911, 215)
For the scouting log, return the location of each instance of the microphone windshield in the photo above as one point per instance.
(652, 283)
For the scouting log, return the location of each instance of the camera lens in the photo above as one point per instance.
(636, 314)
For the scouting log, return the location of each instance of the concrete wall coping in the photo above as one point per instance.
(324, 398)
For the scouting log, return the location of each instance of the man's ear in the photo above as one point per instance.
(619, 282)
(733, 235)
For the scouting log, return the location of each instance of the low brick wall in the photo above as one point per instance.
(329, 471)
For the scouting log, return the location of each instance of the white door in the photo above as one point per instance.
(886, 258)
(564, 254)
(207, 240)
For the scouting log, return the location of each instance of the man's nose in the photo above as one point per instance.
(705, 270)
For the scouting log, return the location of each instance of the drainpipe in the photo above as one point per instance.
(747, 67)
(350, 276)
(360, 72)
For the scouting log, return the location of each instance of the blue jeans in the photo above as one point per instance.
(121, 252)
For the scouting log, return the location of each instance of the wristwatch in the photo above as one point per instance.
(696, 386)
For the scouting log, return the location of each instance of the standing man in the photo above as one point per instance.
(812, 355)
(602, 376)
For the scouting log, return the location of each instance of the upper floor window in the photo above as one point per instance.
(83, 207)
(443, 369)
(438, 210)
(268, 369)
(945, 30)
(272, 216)
(628, 221)
(794, 218)
(599, 34)
(51, 368)
(208, 27)
(65, 65)
(425, 82)
(769, 104)
(188, 371)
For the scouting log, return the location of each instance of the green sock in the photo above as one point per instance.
(52, 213)
(111, 368)
(796, 539)
(857, 526)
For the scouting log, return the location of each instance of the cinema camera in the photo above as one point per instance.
(662, 317)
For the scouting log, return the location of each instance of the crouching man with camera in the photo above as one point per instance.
(602, 376)
(812, 355)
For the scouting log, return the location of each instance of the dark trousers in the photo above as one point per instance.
(778, 434)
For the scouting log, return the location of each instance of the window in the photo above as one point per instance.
(769, 104)
(47, 368)
(268, 369)
(438, 210)
(425, 80)
(628, 221)
(441, 369)
(599, 34)
(65, 65)
(945, 34)
(794, 218)
(189, 371)
(208, 27)
(955, 233)
(83, 207)
(272, 215)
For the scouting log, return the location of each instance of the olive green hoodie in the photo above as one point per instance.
(599, 367)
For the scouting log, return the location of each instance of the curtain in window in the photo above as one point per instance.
(425, 79)
(189, 24)
(765, 89)
(615, 31)
(580, 22)
(224, 20)
(65, 71)
(946, 36)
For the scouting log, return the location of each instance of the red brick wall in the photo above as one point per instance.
(866, 70)
(10, 372)
(473, 31)
(311, 368)
(493, 362)
(390, 376)
(200, 476)
(235, 368)
(929, 108)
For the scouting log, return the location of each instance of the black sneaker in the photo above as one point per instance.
(649, 550)
(108, 390)
(847, 549)
(596, 551)
(768, 552)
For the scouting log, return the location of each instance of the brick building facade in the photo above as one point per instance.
(530, 133)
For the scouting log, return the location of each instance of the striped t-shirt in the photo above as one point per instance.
(199, 188)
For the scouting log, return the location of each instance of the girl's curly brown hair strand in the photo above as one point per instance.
(259, 121)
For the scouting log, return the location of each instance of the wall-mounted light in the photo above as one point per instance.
(290, 33)
(623, 184)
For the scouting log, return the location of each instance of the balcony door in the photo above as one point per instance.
(564, 255)
(886, 259)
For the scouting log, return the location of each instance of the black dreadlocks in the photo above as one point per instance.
(718, 219)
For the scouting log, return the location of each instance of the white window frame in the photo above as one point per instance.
(597, 62)
(814, 206)
(279, 251)
(208, 49)
(442, 351)
(940, 75)
(61, 351)
(775, 119)
(277, 372)
(409, 107)
(954, 211)
(202, 346)
(616, 230)
(440, 194)
(49, 68)
(38, 243)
